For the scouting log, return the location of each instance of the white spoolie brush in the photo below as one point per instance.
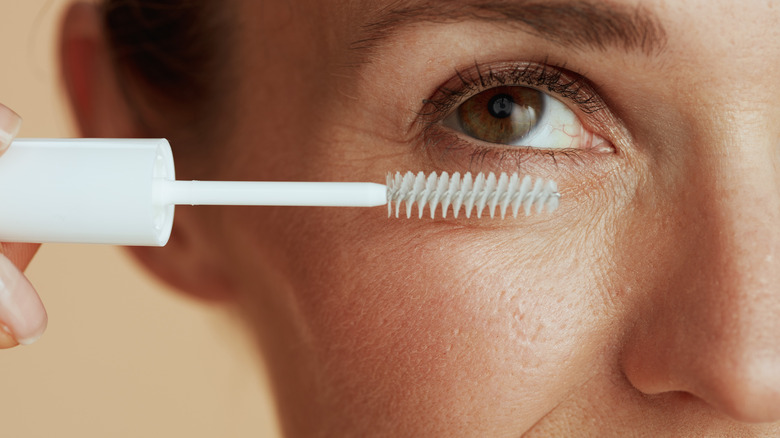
(123, 192)
(470, 193)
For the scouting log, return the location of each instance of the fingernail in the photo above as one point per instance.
(21, 310)
(10, 122)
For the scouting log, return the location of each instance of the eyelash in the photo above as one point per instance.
(561, 83)
(554, 79)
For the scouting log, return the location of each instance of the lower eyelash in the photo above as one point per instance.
(448, 146)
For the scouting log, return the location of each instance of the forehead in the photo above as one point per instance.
(571, 22)
(722, 41)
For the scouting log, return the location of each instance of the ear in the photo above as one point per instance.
(100, 107)
(96, 98)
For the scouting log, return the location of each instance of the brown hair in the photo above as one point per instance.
(173, 54)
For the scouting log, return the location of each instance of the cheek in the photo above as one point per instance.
(454, 322)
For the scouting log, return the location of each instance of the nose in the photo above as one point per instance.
(709, 323)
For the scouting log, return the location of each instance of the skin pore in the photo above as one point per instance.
(645, 306)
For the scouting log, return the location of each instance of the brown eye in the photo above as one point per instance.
(501, 115)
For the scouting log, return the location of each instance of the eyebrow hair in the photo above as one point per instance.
(570, 23)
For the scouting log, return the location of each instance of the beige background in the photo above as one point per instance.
(123, 356)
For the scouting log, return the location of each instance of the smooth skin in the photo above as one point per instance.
(646, 306)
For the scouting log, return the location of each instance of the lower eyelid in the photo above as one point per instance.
(442, 149)
(585, 177)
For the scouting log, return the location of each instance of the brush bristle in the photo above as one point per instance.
(505, 193)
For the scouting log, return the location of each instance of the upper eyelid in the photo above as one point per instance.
(544, 76)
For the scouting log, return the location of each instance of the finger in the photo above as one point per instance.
(10, 122)
(21, 312)
(21, 254)
(22, 316)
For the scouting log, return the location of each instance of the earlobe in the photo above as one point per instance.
(187, 264)
(90, 77)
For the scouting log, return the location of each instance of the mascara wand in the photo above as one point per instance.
(123, 192)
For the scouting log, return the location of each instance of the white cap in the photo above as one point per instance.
(86, 190)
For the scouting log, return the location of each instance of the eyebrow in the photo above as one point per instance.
(570, 23)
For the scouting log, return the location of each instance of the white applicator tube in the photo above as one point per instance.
(123, 192)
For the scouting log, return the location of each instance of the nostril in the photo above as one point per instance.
(746, 391)
(751, 393)
(734, 373)
(752, 407)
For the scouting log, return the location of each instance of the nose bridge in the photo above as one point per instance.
(735, 289)
(705, 318)
(739, 236)
(714, 329)
(737, 207)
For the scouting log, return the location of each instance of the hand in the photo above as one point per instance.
(22, 316)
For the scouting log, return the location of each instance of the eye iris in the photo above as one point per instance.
(501, 115)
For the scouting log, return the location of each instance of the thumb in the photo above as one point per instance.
(22, 316)
(10, 122)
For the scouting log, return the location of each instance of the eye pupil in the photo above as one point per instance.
(500, 106)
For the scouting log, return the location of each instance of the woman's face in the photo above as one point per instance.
(648, 304)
